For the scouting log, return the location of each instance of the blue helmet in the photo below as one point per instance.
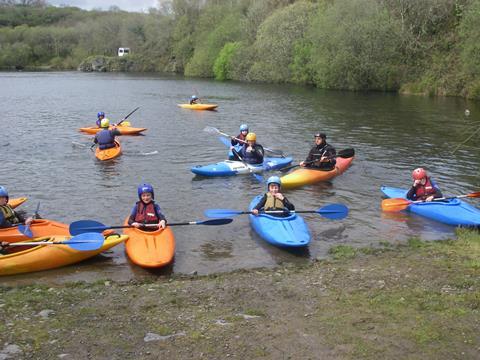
(243, 127)
(3, 192)
(273, 180)
(144, 188)
(101, 113)
(194, 97)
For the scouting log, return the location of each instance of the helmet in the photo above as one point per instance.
(101, 113)
(251, 137)
(273, 180)
(194, 97)
(145, 188)
(321, 135)
(105, 123)
(244, 127)
(419, 174)
(3, 192)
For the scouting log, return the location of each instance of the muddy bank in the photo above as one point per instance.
(416, 301)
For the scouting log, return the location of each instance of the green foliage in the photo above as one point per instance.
(357, 47)
(222, 65)
(276, 40)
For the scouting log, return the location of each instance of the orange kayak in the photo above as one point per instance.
(124, 130)
(199, 106)
(150, 249)
(305, 176)
(39, 228)
(108, 154)
(16, 202)
(45, 257)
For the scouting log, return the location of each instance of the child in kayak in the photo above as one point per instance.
(242, 136)
(194, 100)
(322, 156)
(423, 188)
(146, 211)
(106, 138)
(100, 117)
(251, 152)
(273, 200)
(8, 216)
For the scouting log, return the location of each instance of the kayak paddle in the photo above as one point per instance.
(346, 154)
(85, 242)
(399, 204)
(331, 211)
(257, 177)
(126, 117)
(86, 226)
(25, 229)
(215, 131)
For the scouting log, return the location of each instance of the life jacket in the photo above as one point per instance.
(252, 157)
(146, 213)
(106, 139)
(9, 215)
(272, 203)
(424, 191)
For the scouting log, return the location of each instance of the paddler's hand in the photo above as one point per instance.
(323, 159)
(255, 212)
(302, 163)
(249, 149)
(430, 198)
(162, 224)
(416, 182)
(28, 221)
(136, 225)
(279, 196)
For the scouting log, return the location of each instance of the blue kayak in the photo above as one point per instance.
(232, 167)
(291, 231)
(453, 212)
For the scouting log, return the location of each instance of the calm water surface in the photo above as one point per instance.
(45, 158)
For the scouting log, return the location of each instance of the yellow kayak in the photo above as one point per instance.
(16, 202)
(46, 257)
(199, 106)
(39, 228)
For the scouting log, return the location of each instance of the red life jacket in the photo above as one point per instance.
(146, 213)
(424, 191)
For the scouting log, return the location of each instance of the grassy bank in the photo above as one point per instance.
(420, 300)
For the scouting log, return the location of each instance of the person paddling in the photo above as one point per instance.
(146, 211)
(251, 152)
(100, 117)
(274, 200)
(423, 187)
(8, 216)
(106, 138)
(322, 155)
(242, 136)
(194, 100)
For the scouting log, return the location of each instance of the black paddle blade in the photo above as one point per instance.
(346, 153)
(217, 222)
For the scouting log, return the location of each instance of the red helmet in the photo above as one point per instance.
(419, 174)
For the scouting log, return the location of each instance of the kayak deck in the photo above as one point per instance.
(46, 257)
(232, 167)
(290, 231)
(39, 228)
(124, 130)
(150, 249)
(198, 106)
(108, 154)
(453, 212)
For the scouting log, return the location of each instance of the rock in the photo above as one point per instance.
(9, 350)
(155, 337)
(45, 313)
(222, 322)
(63, 356)
(248, 317)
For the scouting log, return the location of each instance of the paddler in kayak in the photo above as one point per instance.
(322, 155)
(8, 216)
(194, 100)
(106, 138)
(100, 117)
(242, 136)
(423, 187)
(251, 152)
(274, 200)
(146, 211)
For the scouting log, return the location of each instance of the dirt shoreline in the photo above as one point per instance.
(416, 301)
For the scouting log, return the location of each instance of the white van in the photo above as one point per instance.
(123, 51)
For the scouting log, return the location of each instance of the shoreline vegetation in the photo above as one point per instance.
(413, 300)
(416, 47)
